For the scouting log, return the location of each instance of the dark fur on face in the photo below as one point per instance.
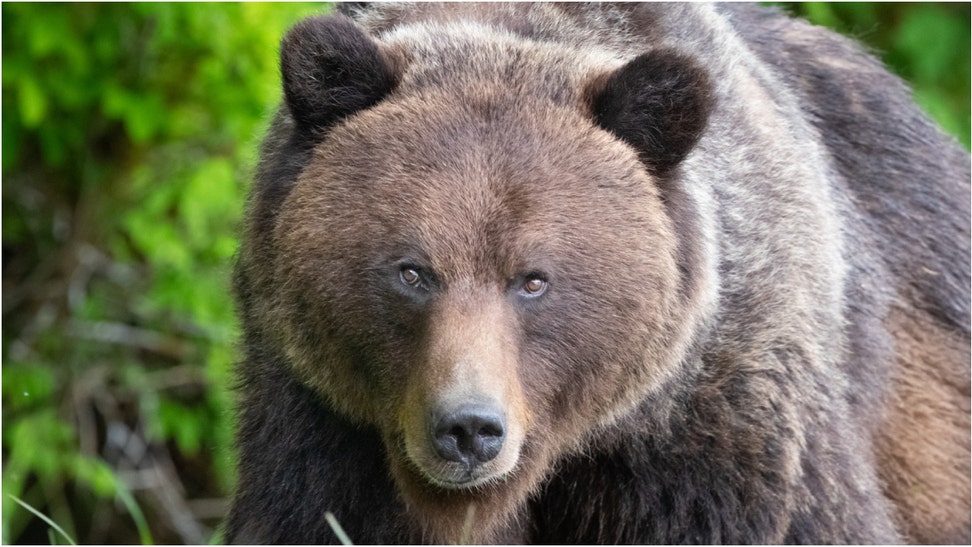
(331, 70)
(645, 238)
(658, 103)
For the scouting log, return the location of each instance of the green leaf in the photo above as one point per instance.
(182, 424)
(32, 102)
(26, 385)
(97, 475)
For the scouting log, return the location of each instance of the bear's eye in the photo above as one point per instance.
(410, 276)
(534, 286)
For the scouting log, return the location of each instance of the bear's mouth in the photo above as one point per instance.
(456, 475)
(469, 480)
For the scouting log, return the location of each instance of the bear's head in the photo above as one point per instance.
(486, 255)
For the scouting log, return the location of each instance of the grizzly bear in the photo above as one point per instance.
(636, 273)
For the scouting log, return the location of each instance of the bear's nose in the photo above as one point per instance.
(471, 434)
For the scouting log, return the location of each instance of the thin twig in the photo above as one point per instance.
(127, 335)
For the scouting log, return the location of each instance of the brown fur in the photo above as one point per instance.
(736, 343)
(923, 449)
(491, 202)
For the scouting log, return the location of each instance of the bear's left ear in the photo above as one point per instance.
(659, 103)
(332, 69)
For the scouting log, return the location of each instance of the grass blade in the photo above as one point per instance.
(144, 534)
(43, 517)
(336, 527)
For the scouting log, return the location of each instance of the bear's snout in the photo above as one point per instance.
(466, 439)
(470, 434)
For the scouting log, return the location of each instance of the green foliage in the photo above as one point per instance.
(129, 135)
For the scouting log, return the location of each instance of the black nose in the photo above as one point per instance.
(471, 434)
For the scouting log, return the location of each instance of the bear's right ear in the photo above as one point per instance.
(330, 70)
(658, 103)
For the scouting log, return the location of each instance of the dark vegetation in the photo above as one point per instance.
(129, 135)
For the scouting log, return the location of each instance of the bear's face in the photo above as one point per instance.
(484, 280)
(466, 259)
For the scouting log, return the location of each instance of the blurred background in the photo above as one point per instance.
(129, 136)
